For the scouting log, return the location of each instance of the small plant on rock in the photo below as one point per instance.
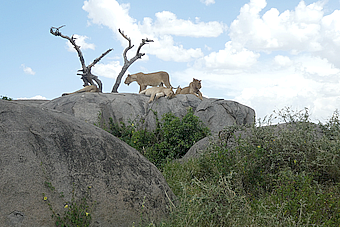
(77, 212)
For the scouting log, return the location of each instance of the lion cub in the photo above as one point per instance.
(193, 88)
(158, 92)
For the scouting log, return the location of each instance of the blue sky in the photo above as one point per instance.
(264, 54)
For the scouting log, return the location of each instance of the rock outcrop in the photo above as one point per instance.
(198, 148)
(41, 147)
(124, 107)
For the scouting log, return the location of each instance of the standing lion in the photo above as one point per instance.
(149, 79)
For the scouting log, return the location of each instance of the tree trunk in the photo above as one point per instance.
(127, 62)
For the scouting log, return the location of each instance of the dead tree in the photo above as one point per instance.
(127, 62)
(85, 74)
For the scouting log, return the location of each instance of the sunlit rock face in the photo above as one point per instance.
(41, 147)
(216, 114)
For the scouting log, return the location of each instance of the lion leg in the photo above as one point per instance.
(200, 95)
(193, 93)
(151, 97)
(90, 88)
(142, 88)
(167, 84)
(161, 94)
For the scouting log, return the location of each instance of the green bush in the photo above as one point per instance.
(133, 134)
(5, 98)
(170, 140)
(176, 136)
(303, 201)
(276, 175)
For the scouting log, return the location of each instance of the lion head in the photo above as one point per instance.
(128, 80)
(169, 93)
(196, 84)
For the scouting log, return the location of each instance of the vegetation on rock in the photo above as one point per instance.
(286, 176)
(274, 175)
(5, 98)
(171, 140)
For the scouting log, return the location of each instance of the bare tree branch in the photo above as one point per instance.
(85, 74)
(127, 62)
(99, 58)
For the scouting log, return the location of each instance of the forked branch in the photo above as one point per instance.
(127, 62)
(86, 74)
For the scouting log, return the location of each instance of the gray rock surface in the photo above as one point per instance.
(31, 102)
(215, 113)
(198, 148)
(39, 145)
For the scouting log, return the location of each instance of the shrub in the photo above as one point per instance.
(133, 134)
(170, 140)
(298, 146)
(5, 98)
(176, 135)
(273, 175)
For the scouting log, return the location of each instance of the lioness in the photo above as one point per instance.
(149, 79)
(193, 88)
(158, 92)
(91, 88)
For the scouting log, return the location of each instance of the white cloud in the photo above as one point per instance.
(167, 23)
(331, 37)
(282, 61)
(114, 15)
(27, 70)
(164, 48)
(331, 24)
(208, 2)
(35, 97)
(305, 81)
(110, 70)
(317, 65)
(80, 41)
(294, 31)
(231, 57)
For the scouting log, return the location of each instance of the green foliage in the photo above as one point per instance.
(133, 134)
(331, 129)
(178, 135)
(304, 202)
(170, 140)
(5, 98)
(265, 175)
(77, 212)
